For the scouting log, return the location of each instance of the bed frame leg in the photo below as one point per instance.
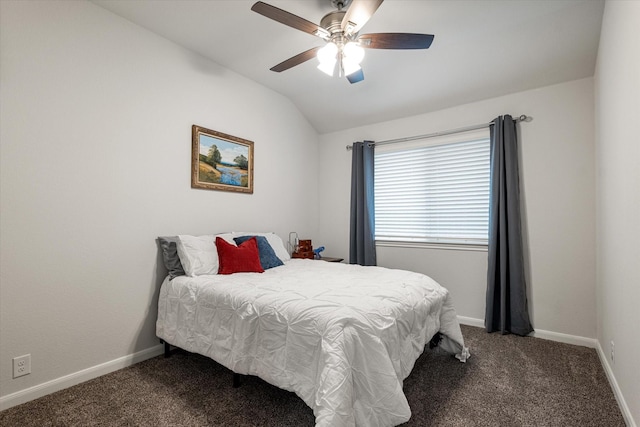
(435, 340)
(236, 380)
(167, 349)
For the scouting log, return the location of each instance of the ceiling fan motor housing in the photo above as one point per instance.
(332, 21)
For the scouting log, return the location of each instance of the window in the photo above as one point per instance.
(433, 191)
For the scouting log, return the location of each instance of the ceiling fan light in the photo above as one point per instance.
(327, 67)
(349, 67)
(327, 53)
(353, 52)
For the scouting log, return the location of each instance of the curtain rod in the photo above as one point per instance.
(521, 118)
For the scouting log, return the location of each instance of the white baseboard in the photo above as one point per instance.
(470, 321)
(539, 333)
(61, 383)
(624, 408)
(565, 338)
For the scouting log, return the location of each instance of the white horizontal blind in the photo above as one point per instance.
(433, 194)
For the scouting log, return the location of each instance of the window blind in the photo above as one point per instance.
(433, 194)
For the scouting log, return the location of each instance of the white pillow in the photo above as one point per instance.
(198, 254)
(274, 240)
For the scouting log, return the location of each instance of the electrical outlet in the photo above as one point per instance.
(613, 360)
(21, 365)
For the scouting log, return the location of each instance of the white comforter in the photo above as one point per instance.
(342, 337)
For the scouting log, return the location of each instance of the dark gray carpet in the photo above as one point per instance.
(509, 381)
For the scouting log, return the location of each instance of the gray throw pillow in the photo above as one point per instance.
(170, 256)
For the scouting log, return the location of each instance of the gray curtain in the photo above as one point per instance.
(506, 309)
(362, 245)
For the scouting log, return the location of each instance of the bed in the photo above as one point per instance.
(342, 337)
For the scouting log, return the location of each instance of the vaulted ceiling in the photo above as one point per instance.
(482, 49)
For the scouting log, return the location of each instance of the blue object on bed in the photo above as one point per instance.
(268, 258)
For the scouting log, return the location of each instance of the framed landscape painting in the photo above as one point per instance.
(220, 161)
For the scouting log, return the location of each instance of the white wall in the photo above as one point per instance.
(558, 183)
(96, 118)
(617, 83)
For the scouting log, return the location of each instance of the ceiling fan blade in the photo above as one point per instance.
(296, 60)
(358, 13)
(356, 77)
(395, 41)
(286, 18)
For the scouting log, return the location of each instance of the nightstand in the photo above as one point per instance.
(330, 259)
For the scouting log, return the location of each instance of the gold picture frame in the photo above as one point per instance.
(221, 162)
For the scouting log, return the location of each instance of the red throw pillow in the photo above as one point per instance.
(244, 258)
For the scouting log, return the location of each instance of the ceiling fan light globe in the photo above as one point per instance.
(349, 67)
(353, 52)
(327, 67)
(327, 53)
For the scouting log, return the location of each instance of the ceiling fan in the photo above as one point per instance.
(340, 29)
